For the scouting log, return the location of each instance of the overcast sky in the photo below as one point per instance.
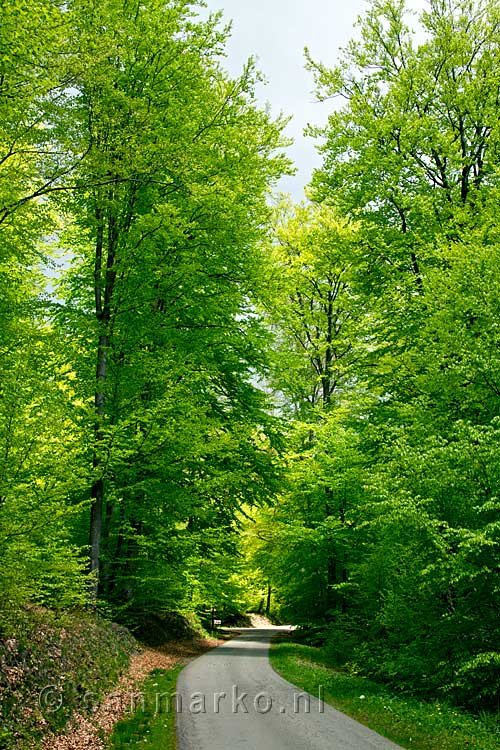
(276, 32)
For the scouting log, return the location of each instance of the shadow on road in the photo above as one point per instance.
(246, 636)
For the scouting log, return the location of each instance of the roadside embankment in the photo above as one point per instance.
(406, 720)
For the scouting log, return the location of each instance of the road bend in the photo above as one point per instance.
(231, 698)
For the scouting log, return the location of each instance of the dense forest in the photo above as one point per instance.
(210, 395)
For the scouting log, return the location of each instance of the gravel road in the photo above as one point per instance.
(231, 698)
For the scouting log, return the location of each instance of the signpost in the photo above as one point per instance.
(215, 621)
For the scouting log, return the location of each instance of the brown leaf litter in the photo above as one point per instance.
(87, 732)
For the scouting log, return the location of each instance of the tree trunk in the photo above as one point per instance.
(268, 602)
(97, 493)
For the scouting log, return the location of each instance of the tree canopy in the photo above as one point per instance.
(133, 426)
(385, 537)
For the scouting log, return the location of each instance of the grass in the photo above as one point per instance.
(407, 721)
(152, 725)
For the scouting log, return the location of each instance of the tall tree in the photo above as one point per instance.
(315, 306)
(312, 303)
(171, 202)
(412, 157)
(39, 432)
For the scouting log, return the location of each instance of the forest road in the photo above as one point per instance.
(231, 698)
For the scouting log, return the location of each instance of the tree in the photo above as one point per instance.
(412, 158)
(33, 79)
(40, 466)
(170, 203)
(124, 144)
(414, 148)
(313, 305)
(39, 430)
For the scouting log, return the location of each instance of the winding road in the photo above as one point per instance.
(231, 698)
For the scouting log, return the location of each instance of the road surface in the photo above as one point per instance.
(230, 699)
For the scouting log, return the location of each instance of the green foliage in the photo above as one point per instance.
(385, 536)
(39, 466)
(33, 75)
(39, 462)
(410, 723)
(312, 301)
(303, 543)
(129, 414)
(132, 410)
(165, 256)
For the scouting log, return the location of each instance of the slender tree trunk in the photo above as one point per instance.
(331, 580)
(268, 601)
(327, 373)
(97, 493)
(105, 256)
(343, 604)
(336, 572)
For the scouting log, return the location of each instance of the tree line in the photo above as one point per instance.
(134, 175)
(384, 540)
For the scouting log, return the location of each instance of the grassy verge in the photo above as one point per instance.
(152, 725)
(409, 722)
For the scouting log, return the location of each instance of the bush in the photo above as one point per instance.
(311, 634)
(156, 629)
(477, 683)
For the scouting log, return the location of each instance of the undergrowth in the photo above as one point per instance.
(53, 664)
(152, 724)
(409, 722)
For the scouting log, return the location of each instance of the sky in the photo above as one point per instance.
(276, 32)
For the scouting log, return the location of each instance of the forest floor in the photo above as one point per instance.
(91, 732)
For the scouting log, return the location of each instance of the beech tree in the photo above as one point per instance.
(33, 78)
(40, 462)
(315, 306)
(126, 146)
(412, 157)
(312, 302)
(170, 205)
